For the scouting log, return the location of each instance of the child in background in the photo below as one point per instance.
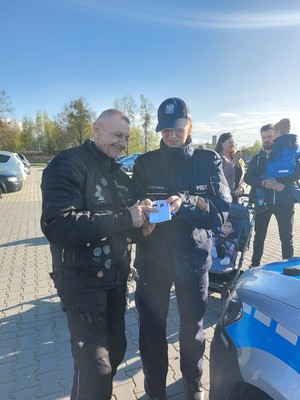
(282, 160)
(224, 243)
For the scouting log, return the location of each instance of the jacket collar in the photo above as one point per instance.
(262, 153)
(105, 159)
(176, 154)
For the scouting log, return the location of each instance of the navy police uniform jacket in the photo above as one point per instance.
(180, 249)
(86, 219)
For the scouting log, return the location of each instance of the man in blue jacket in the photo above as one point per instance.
(282, 159)
(178, 250)
(278, 198)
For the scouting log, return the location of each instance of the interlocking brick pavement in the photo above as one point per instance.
(35, 359)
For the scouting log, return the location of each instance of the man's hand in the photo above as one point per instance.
(147, 205)
(137, 215)
(278, 187)
(175, 203)
(148, 228)
(140, 212)
(269, 183)
(273, 184)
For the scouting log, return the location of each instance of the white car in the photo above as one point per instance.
(11, 162)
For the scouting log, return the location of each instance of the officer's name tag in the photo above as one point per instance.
(164, 213)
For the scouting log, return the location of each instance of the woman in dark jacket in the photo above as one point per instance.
(178, 250)
(233, 164)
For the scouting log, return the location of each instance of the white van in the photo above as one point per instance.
(11, 162)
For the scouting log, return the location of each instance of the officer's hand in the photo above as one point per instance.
(175, 203)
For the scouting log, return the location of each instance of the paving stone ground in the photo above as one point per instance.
(35, 359)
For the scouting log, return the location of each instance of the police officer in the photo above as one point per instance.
(88, 218)
(178, 250)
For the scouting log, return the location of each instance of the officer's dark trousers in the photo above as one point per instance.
(98, 341)
(152, 301)
(284, 214)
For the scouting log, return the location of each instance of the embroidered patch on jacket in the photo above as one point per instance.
(99, 193)
(156, 188)
(201, 188)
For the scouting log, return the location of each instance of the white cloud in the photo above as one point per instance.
(245, 127)
(160, 13)
(229, 115)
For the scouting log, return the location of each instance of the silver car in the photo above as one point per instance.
(255, 352)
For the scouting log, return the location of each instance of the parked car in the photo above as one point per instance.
(118, 159)
(11, 162)
(9, 183)
(128, 162)
(25, 162)
(255, 351)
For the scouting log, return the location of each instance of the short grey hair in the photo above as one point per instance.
(111, 113)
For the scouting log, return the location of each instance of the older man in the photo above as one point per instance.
(88, 218)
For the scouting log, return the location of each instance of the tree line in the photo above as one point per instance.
(74, 123)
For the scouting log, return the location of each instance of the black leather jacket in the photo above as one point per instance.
(86, 219)
(180, 248)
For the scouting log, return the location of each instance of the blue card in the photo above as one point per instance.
(164, 213)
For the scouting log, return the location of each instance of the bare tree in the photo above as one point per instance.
(6, 108)
(9, 129)
(148, 115)
(128, 105)
(143, 137)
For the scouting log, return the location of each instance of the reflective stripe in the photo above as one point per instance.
(258, 330)
(263, 318)
(247, 309)
(286, 334)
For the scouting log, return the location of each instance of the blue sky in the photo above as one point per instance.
(236, 63)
